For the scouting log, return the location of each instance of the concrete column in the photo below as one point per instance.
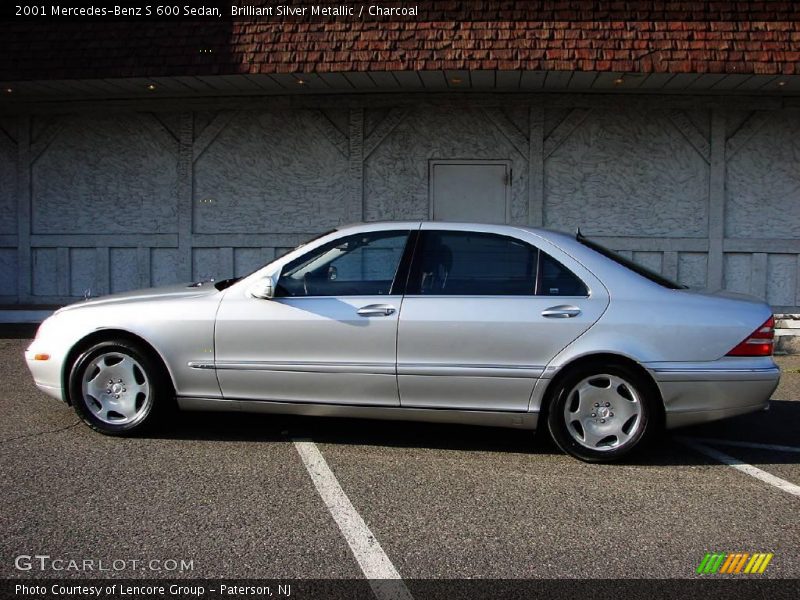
(536, 166)
(24, 262)
(716, 201)
(355, 209)
(185, 195)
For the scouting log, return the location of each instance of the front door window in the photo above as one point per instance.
(364, 264)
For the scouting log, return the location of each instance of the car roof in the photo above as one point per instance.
(456, 226)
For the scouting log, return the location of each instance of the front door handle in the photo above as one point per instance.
(377, 310)
(562, 311)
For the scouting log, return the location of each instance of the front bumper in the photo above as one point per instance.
(46, 373)
(699, 395)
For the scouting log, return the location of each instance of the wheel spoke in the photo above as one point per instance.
(623, 437)
(102, 410)
(124, 369)
(135, 389)
(625, 409)
(95, 389)
(590, 396)
(126, 406)
(592, 437)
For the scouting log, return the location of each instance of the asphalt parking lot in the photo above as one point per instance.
(231, 493)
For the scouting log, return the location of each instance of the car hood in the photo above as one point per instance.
(170, 292)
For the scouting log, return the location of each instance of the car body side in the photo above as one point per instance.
(678, 338)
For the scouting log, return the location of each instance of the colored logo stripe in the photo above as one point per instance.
(758, 563)
(734, 563)
(726, 566)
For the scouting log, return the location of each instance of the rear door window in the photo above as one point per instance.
(464, 263)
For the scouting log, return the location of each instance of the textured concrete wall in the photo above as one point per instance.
(763, 183)
(110, 201)
(269, 171)
(112, 175)
(8, 214)
(627, 173)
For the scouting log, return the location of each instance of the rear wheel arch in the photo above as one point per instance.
(601, 359)
(106, 335)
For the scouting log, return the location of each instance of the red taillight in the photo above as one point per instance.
(758, 343)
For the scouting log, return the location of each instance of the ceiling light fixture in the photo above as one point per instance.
(781, 83)
(619, 81)
(300, 82)
(151, 87)
(8, 90)
(456, 80)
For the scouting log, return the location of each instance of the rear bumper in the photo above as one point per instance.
(699, 395)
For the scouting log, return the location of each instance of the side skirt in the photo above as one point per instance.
(517, 420)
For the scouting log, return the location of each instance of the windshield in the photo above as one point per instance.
(226, 283)
(629, 264)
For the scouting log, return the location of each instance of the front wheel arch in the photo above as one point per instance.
(105, 335)
(600, 359)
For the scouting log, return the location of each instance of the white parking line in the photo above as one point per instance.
(754, 445)
(384, 579)
(739, 465)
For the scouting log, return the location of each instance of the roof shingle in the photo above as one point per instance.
(677, 37)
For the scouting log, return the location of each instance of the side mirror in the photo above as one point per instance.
(264, 288)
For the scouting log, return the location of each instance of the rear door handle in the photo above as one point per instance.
(562, 311)
(377, 310)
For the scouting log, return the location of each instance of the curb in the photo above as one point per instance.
(787, 333)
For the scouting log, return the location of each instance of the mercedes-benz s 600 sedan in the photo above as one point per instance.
(450, 322)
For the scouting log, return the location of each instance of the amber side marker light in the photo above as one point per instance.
(758, 343)
(41, 357)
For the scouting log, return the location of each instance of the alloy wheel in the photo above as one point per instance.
(116, 389)
(603, 412)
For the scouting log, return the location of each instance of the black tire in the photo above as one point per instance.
(142, 410)
(574, 431)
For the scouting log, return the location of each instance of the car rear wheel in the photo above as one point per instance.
(117, 388)
(600, 413)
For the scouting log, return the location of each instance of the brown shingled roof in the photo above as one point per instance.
(733, 43)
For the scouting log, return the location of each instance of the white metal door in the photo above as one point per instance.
(466, 190)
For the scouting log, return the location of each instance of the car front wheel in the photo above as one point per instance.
(601, 413)
(117, 388)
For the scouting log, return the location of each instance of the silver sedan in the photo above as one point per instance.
(448, 322)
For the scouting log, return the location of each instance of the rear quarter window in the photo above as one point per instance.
(630, 265)
(556, 280)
